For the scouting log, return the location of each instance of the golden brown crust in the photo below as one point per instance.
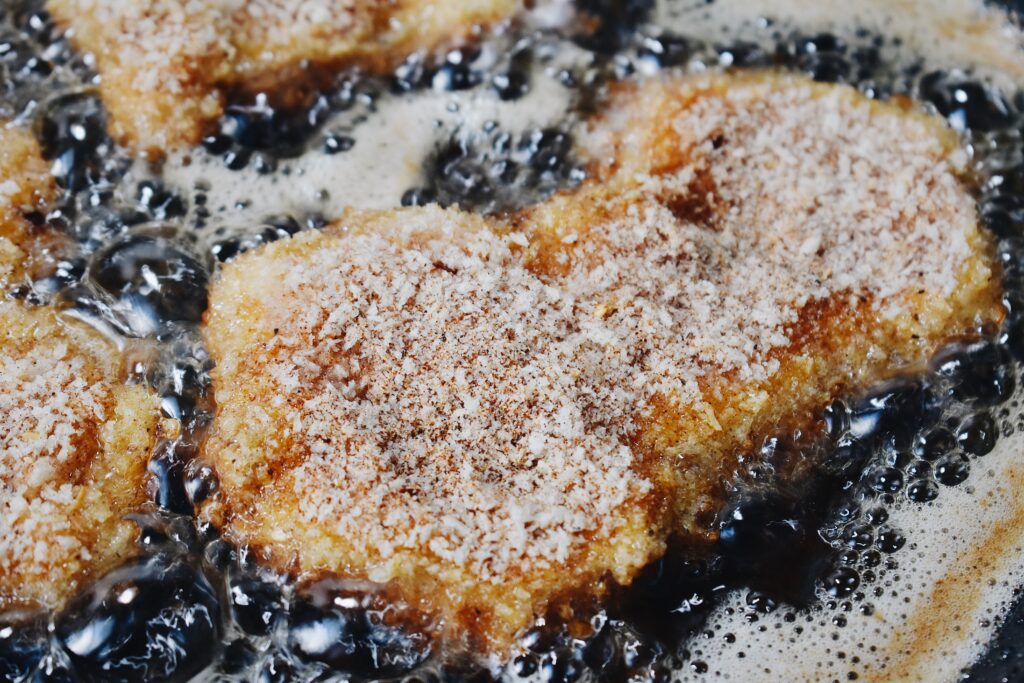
(749, 248)
(167, 65)
(256, 468)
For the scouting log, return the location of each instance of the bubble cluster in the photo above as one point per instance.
(498, 171)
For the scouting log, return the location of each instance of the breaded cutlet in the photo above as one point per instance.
(74, 439)
(494, 413)
(166, 66)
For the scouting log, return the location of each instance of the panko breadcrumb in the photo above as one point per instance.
(495, 413)
(166, 66)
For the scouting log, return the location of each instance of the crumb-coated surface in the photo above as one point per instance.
(495, 412)
(74, 443)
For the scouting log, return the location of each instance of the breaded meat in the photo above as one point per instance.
(74, 443)
(494, 413)
(167, 65)
(25, 186)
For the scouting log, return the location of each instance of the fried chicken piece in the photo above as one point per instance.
(390, 422)
(494, 413)
(167, 65)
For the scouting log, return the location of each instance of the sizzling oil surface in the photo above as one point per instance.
(895, 565)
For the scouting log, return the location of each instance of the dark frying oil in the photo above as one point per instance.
(192, 604)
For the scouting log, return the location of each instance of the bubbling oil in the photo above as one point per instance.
(895, 557)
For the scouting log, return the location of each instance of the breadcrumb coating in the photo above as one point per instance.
(493, 413)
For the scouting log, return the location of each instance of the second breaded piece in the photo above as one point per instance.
(494, 414)
(167, 65)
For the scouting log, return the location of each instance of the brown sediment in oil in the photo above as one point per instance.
(938, 619)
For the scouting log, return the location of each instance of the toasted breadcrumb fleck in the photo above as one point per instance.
(495, 412)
